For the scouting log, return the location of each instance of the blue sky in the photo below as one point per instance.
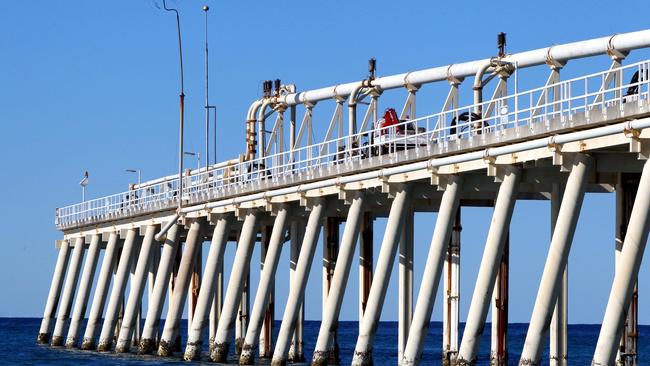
(93, 86)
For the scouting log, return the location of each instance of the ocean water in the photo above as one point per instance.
(18, 346)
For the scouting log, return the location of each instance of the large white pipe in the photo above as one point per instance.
(206, 294)
(264, 288)
(117, 292)
(83, 294)
(368, 327)
(432, 270)
(236, 282)
(161, 235)
(627, 271)
(299, 283)
(487, 273)
(558, 254)
(157, 299)
(620, 42)
(336, 292)
(433, 163)
(55, 292)
(135, 293)
(173, 321)
(68, 292)
(261, 131)
(101, 290)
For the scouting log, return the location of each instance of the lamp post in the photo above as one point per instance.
(83, 183)
(182, 111)
(135, 171)
(198, 158)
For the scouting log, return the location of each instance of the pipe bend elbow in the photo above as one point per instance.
(352, 100)
(262, 109)
(478, 77)
(252, 110)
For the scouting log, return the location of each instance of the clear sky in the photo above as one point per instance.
(93, 86)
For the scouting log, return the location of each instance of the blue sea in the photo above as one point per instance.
(18, 345)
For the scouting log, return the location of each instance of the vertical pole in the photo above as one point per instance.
(217, 304)
(68, 292)
(206, 293)
(117, 292)
(556, 261)
(365, 262)
(263, 306)
(55, 292)
(625, 195)
(136, 291)
(297, 291)
(627, 272)
(80, 305)
(330, 257)
(338, 283)
(363, 348)
(499, 339)
(173, 281)
(297, 236)
(236, 284)
(242, 316)
(451, 293)
(433, 270)
(195, 285)
(160, 287)
(559, 321)
(171, 331)
(405, 310)
(153, 269)
(101, 290)
(266, 336)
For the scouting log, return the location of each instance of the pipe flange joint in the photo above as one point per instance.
(487, 157)
(280, 107)
(451, 78)
(552, 62)
(337, 97)
(411, 87)
(631, 132)
(381, 176)
(375, 91)
(614, 54)
(553, 145)
(309, 105)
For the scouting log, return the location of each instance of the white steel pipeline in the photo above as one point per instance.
(620, 42)
(261, 129)
(168, 225)
(153, 182)
(433, 163)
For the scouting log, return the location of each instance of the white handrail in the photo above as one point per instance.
(232, 177)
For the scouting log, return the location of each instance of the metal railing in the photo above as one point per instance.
(559, 103)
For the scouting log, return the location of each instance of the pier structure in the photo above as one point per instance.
(555, 142)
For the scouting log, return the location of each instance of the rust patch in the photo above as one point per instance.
(43, 338)
(146, 346)
(88, 344)
(220, 352)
